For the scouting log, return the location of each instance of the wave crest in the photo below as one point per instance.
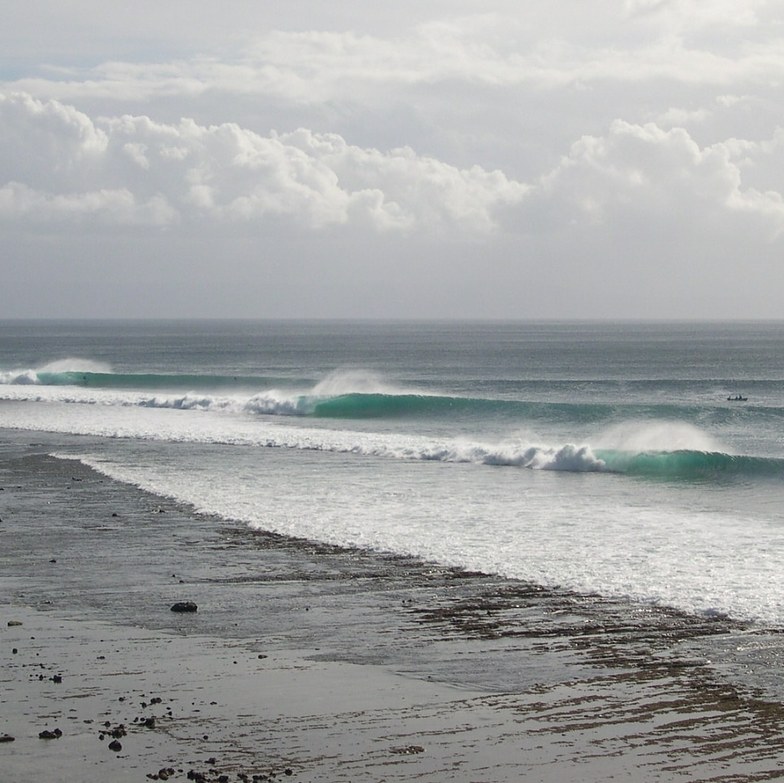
(58, 372)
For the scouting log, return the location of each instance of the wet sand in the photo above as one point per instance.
(307, 662)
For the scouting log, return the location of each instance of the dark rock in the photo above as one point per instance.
(408, 750)
(47, 735)
(14, 651)
(6, 738)
(115, 746)
(12, 623)
(57, 679)
(149, 722)
(184, 606)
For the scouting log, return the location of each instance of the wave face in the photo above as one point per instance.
(690, 464)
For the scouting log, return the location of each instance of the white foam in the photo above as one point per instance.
(278, 403)
(176, 419)
(533, 526)
(19, 377)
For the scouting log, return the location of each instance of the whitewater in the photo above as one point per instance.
(602, 458)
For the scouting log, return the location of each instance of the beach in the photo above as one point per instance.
(311, 662)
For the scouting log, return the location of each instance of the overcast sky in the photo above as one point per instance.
(299, 158)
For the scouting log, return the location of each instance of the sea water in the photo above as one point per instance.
(599, 457)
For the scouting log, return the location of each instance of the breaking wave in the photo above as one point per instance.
(648, 443)
(686, 464)
(342, 394)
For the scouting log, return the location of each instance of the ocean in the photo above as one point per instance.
(602, 458)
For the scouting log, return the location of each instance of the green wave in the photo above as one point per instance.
(365, 406)
(362, 405)
(690, 464)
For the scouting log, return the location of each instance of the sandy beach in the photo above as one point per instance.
(308, 662)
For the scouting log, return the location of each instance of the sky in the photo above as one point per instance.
(463, 159)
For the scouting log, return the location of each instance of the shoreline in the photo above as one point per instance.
(377, 667)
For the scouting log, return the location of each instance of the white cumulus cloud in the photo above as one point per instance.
(60, 162)
(644, 174)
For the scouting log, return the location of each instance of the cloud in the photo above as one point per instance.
(648, 40)
(61, 166)
(676, 116)
(131, 170)
(104, 207)
(645, 176)
(697, 14)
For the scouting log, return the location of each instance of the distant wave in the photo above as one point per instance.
(361, 405)
(236, 396)
(346, 394)
(281, 402)
(86, 373)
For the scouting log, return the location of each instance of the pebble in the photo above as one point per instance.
(184, 606)
(115, 746)
(6, 738)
